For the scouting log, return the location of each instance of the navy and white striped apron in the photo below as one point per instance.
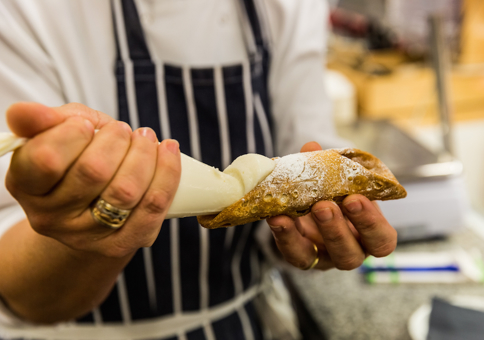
(216, 114)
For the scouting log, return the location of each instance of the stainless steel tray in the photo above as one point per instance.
(408, 159)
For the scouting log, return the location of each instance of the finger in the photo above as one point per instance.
(94, 168)
(135, 173)
(342, 246)
(40, 164)
(377, 235)
(29, 119)
(144, 223)
(353, 230)
(97, 118)
(311, 146)
(295, 248)
(308, 228)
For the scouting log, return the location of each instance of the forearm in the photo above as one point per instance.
(44, 281)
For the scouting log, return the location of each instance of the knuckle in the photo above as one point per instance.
(282, 241)
(75, 242)
(172, 170)
(349, 263)
(298, 263)
(283, 237)
(156, 202)
(75, 127)
(306, 263)
(125, 193)
(118, 130)
(39, 228)
(120, 249)
(149, 236)
(335, 237)
(74, 106)
(148, 243)
(143, 148)
(93, 172)
(41, 224)
(83, 130)
(82, 110)
(45, 160)
(171, 165)
(369, 224)
(384, 249)
(10, 185)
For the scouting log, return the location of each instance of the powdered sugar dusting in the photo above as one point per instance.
(291, 168)
(301, 177)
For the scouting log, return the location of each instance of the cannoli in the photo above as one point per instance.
(300, 180)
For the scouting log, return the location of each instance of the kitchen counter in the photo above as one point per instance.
(347, 308)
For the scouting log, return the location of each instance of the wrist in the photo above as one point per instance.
(84, 255)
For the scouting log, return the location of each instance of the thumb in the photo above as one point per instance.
(29, 119)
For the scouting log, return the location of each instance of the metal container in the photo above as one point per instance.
(407, 158)
(436, 204)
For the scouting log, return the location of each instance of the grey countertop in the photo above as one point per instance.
(348, 308)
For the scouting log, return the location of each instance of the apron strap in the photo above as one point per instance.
(256, 16)
(133, 61)
(137, 47)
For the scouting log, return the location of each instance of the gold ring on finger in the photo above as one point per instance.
(108, 215)
(316, 259)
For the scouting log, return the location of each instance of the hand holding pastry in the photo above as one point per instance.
(344, 235)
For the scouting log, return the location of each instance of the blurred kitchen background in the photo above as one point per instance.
(406, 80)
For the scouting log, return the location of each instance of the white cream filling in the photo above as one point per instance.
(204, 190)
(10, 142)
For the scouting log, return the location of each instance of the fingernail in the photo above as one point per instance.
(125, 126)
(353, 206)
(148, 133)
(276, 228)
(324, 215)
(173, 146)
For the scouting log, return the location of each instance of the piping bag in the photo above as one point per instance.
(203, 190)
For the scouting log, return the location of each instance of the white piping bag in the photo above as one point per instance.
(203, 190)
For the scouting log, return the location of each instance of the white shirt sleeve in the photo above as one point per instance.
(300, 106)
(26, 74)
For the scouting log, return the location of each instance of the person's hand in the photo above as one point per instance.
(65, 166)
(344, 235)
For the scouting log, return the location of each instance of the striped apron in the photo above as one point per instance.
(216, 114)
(192, 284)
